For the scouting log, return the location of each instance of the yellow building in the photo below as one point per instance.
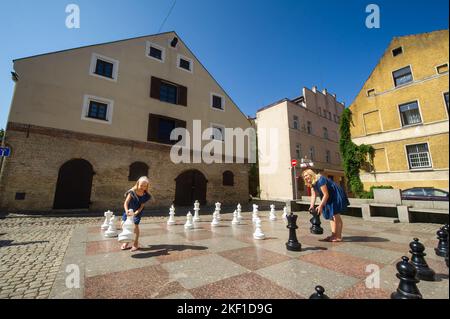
(402, 111)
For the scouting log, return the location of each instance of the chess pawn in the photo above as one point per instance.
(196, 209)
(127, 234)
(442, 248)
(215, 222)
(292, 243)
(171, 220)
(319, 294)
(272, 215)
(255, 213)
(239, 216)
(258, 234)
(315, 223)
(105, 224)
(112, 231)
(235, 220)
(418, 261)
(188, 224)
(407, 288)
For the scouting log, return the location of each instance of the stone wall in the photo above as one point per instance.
(38, 153)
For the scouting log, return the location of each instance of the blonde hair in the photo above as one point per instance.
(136, 186)
(314, 177)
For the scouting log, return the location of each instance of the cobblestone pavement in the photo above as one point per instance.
(33, 248)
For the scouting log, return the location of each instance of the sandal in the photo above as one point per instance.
(135, 248)
(124, 246)
(329, 239)
(336, 240)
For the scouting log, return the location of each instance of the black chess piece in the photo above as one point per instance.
(407, 288)
(445, 228)
(293, 243)
(424, 272)
(315, 222)
(442, 248)
(319, 294)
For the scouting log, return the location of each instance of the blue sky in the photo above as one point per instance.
(259, 51)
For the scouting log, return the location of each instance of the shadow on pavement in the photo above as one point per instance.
(6, 243)
(162, 250)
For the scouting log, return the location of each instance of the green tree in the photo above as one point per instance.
(354, 157)
(2, 134)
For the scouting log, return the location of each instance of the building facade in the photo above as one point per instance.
(307, 126)
(402, 111)
(85, 123)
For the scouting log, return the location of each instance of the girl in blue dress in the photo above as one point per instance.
(334, 201)
(135, 199)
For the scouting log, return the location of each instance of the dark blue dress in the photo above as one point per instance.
(134, 204)
(337, 201)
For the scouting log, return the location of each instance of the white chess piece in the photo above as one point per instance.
(112, 231)
(272, 215)
(239, 216)
(188, 224)
(284, 216)
(235, 220)
(105, 224)
(217, 210)
(258, 234)
(127, 234)
(171, 220)
(196, 209)
(255, 213)
(215, 221)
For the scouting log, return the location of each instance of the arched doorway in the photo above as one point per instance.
(190, 186)
(73, 188)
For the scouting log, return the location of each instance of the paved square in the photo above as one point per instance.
(38, 254)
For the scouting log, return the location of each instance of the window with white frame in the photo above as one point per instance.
(409, 113)
(104, 67)
(446, 101)
(185, 63)
(298, 151)
(217, 102)
(443, 68)
(155, 52)
(295, 123)
(402, 76)
(418, 156)
(97, 109)
(218, 132)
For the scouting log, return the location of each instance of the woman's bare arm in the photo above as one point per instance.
(325, 197)
(127, 201)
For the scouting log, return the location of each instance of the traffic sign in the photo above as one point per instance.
(294, 162)
(5, 151)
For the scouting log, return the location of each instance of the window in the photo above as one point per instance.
(168, 92)
(320, 111)
(402, 76)
(155, 52)
(325, 132)
(371, 92)
(160, 127)
(137, 169)
(397, 51)
(104, 67)
(418, 156)
(295, 125)
(309, 127)
(329, 115)
(311, 153)
(228, 178)
(410, 114)
(97, 109)
(446, 100)
(218, 132)
(217, 102)
(442, 68)
(327, 156)
(298, 151)
(185, 63)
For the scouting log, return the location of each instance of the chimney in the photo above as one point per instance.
(314, 89)
(324, 91)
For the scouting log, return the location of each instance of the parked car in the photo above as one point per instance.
(425, 193)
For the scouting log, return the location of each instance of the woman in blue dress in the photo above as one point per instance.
(333, 202)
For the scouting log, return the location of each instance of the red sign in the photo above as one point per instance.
(294, 162)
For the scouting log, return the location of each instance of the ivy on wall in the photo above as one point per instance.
(354, 157)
